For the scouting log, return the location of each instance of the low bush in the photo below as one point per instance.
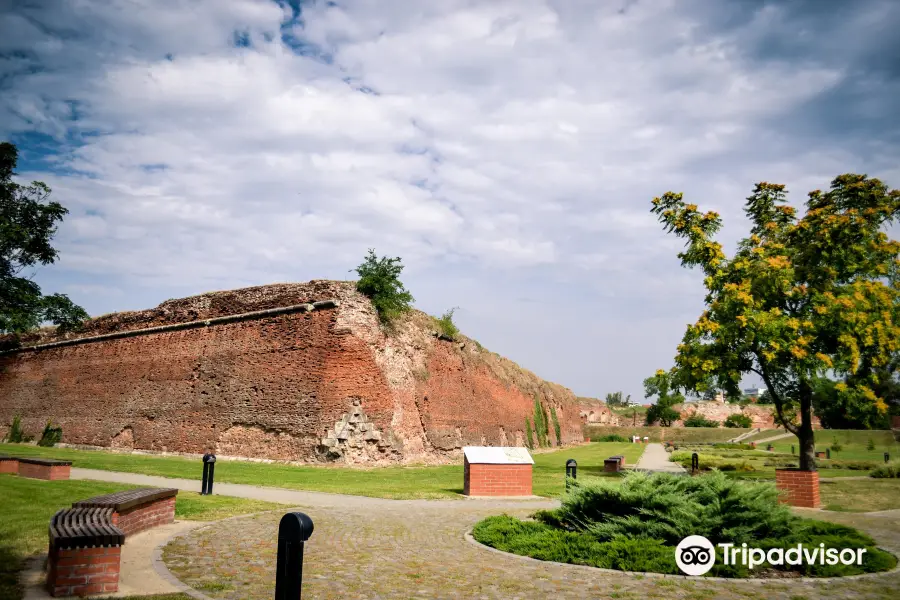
(890, 470)
(738, 420)
(696, 420)
(16, 435)
(733, 446)
(51, 435)
(711, 461)
(445, 325)
(635, 526)
(610, 438)
(852, 465)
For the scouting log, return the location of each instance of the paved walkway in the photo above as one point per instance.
(368, 548)
(656, 459)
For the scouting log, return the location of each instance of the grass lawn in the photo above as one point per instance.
(444, 481)
(860, 496)
(671, 434)
(855, 444)
(28, 504)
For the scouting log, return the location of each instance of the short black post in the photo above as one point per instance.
(828, 453)
(695, 463)
(571, 471)
(792, 450)
(294, 529)
(209, 468)
(887, 457)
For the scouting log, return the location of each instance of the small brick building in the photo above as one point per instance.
(497, 471)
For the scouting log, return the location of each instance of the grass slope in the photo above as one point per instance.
(444, 481)
(28, 505)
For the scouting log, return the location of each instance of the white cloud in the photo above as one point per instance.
(503, 149)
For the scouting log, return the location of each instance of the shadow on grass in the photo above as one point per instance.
(11, 563)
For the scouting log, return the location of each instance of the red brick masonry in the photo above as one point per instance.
(145, 516)
(9, 465)
(497, 480)
(40, 468)
(799, 488)
(83, 571)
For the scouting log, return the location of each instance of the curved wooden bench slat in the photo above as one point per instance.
(121, 501)
(84, 527)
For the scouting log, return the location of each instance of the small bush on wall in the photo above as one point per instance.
(51, 435)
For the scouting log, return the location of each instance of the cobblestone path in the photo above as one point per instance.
(416, 549)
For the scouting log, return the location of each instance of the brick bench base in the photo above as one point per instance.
(83, 571)
(46, 472)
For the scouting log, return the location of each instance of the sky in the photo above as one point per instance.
(506, 151)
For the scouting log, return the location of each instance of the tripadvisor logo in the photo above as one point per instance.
(695, 555)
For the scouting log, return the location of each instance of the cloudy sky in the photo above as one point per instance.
(507, 151)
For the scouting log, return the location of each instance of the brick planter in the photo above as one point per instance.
(83, 571)
(798, 488)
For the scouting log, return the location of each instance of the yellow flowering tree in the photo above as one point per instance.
(802, 297)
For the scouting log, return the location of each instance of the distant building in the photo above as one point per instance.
(754, 392)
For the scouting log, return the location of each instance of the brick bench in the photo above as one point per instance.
(40, 468)
(85, 548)
(9, 464)
(136, 510)
(613, 464)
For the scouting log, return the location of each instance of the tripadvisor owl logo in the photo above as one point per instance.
(695, 555)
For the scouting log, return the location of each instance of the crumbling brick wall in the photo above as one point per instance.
(274, 387)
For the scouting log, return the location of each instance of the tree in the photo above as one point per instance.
(660, 385)
(801, 296)
(379, 280)
(27, 225)
(839, 405)
(696, 420)
(614, 399)
(738, 420)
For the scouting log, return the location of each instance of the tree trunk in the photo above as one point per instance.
(805, 432)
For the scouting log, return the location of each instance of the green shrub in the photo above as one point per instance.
(541, 541)
(870, 445)
(711, 461)
(732, 446)
(445, 325)
(738, 420)
(696, 420)
(51, 435)
(836, 445)
(852, 465)
(556, 428)
(15, 434)
(614, 437)
(379, 281)
(890, 470)
(529, 438)
(670, 507)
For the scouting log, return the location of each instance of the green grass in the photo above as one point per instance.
(672, 434)
(28, 505)
(444, 481)
(855, 444)
(860, 496)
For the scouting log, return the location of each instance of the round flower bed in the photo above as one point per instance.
(637, 524)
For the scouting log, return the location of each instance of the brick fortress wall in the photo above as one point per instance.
(275, 387)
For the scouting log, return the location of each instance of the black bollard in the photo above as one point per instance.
(209, 469)
(571, 471)
(695, 463)
(792, 450)
(828, 453)
(293, 531)
(887, 457)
